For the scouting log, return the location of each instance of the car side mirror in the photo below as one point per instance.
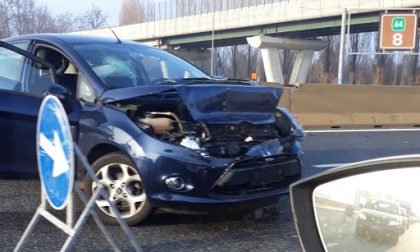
(63, 94)
(357, 207)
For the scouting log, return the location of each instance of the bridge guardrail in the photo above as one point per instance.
(352, 106)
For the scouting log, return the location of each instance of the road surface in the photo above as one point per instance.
(170, 232)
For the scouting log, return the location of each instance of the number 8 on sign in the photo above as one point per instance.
(397, 39)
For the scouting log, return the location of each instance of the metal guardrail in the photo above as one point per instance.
(352, 106)
(169, 9)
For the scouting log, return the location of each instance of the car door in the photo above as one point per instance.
(19, 106)
(67, 75)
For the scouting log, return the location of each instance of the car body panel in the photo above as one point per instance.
(230, 103)
(18, 118)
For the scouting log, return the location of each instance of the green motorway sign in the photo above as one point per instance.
(399, 24)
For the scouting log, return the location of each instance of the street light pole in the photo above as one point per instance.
(212, 41)
(342, 44)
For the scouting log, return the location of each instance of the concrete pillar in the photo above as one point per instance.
(303, 61)
(269, 51)
(197, 56)
(272, 65)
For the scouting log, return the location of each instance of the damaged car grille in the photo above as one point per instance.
(235, 140)
(257, 175)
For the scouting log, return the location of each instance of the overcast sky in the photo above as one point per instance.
(110, 7)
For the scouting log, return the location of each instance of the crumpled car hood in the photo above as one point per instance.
(230, 103)
(214, 103)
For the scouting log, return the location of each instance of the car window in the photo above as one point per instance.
(127, 65)
(85, 91)
(11, 64)
(68, 75)
(383, 206)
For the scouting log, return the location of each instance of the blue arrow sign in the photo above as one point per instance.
(55, 152)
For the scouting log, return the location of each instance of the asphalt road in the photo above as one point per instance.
(170, 232)
(163, 232)
(328, 149)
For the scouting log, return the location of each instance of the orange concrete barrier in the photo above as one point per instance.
(352, 106)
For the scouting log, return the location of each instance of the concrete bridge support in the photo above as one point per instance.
(272, 64)
(301, 66)
(197, 56)
(269, 47)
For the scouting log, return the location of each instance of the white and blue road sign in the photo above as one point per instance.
(55, 152)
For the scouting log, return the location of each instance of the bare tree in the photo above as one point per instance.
(409, 70)
(315, 72)
(380, 65)
(287, 58)
(43, 21)
(327, 57)
(234, 58)
(132, 12)
(66, 23)
(5, 20)
(93, 19)
(354, 45)
(24, 16)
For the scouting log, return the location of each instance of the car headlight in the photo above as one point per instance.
(297, 128)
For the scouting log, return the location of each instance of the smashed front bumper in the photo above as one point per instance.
(242, 185)
(257, 175)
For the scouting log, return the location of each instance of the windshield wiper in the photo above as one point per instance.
(166, 81)
(205, 80)
(198, 80)
(163, 81)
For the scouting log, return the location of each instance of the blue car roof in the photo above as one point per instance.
(70, 39)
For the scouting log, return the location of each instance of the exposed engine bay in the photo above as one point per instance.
(211, 139)
(166, 117)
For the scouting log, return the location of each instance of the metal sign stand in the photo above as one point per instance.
(68, 228)
(345, 37)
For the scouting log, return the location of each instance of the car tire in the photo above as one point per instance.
(123, 182)
(394, 239)
(358, 232)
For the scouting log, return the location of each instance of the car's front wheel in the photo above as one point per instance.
(393, 239)
(358, 232)
(124, 185)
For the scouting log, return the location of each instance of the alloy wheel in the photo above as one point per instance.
(124, 187)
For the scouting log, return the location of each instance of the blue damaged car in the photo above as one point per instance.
(158, 132)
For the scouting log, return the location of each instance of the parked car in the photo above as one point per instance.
(157, 131)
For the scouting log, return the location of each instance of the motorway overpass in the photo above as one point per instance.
(292, 18)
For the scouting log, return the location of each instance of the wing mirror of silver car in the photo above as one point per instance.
(367, 206)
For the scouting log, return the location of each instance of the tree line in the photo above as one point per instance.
(26, 16)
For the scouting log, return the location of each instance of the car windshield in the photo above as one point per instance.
(383, 206)
(126, 65)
